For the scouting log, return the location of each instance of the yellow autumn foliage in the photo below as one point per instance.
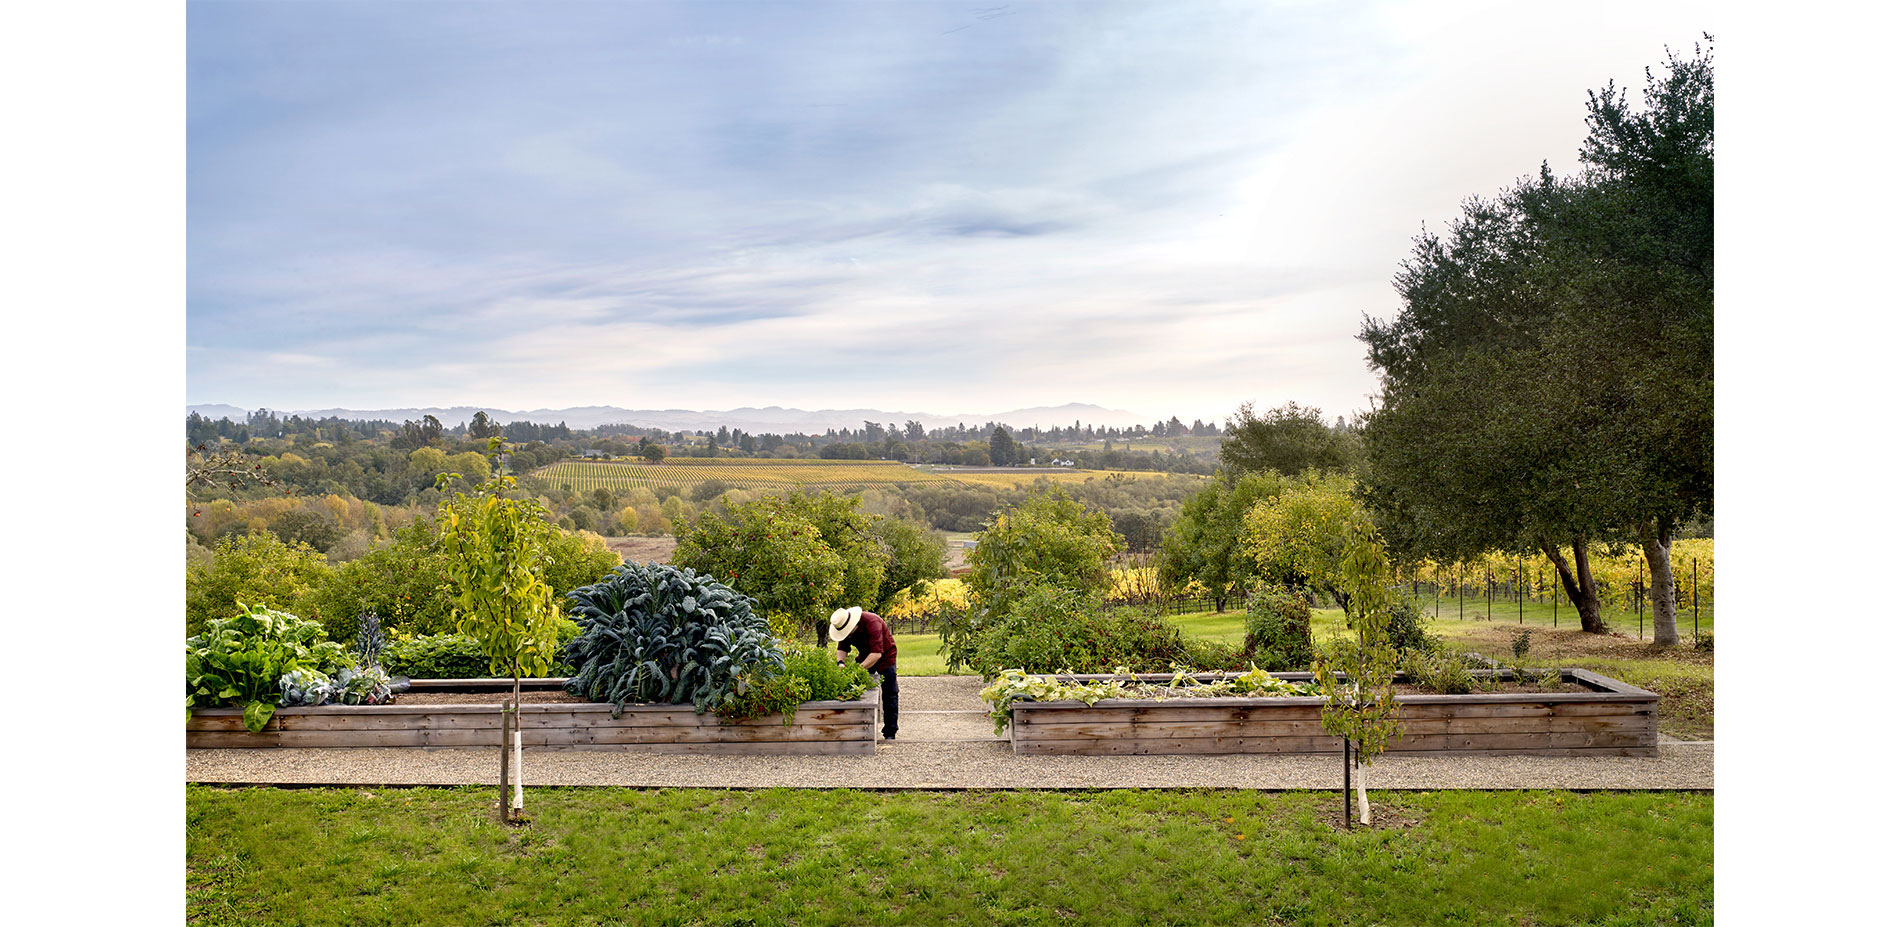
(937, 595)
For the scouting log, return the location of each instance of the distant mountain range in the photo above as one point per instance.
(773, 419)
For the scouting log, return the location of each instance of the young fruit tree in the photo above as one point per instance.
(1315, 531)
(495, 546)
(1355, 673)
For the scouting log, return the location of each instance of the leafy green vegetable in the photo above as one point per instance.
(655, 633)
(242, 660)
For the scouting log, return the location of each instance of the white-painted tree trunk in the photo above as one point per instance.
(518, 776)
(1365, 809)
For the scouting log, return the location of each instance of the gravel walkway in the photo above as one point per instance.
(945, 742)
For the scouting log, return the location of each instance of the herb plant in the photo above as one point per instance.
(827, 680)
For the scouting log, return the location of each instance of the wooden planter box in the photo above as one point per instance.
(818, 727)
(1616, 719)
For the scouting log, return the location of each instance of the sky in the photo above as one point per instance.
(1168, 208)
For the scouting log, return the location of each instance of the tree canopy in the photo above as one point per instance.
(1289, 440)
(1049, 538)
(1205, 543)
(1549, 380)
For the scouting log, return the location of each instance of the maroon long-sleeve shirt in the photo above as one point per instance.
(872, 635)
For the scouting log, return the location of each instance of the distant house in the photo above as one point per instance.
(592, 454)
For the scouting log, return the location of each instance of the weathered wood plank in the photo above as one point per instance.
(1508, 743)
(818, 727)
(228, 739)
(562, 717)
(1311, 727)
(1614, 717)
(1034, 713)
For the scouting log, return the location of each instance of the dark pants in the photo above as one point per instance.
(887, 683)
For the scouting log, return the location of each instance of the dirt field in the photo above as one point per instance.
(643, 550)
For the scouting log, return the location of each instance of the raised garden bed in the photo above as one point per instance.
(818, 727)
(1609, 718)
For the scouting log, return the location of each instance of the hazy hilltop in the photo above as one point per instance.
(767, 419)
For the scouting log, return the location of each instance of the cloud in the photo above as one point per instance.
(1143, 205)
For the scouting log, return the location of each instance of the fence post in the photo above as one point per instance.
(1639, 600)
(1695, 594)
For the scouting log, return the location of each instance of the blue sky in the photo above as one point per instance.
(1169, 208)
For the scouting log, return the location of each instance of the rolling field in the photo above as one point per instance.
(1010, 478)
(587, 476)
(840, 475)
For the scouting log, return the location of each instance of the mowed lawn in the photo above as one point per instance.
(600, 856)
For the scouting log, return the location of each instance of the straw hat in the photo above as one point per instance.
(844, 621)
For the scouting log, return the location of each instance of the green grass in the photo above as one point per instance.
(917, 655)
(1621, 620)
(617, 856)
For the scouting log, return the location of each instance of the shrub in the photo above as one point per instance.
(1051, 629)
(913, 558)
(1704, 641)
(575, 560)
(242, 660)
(1214, 655)
(765, 550)
(1048, 539)
(408, 584)
(1279, 629)
(405, 582)
(1406, 630)
(654, 633)
(457, 656)
(258, 569)
(436, 656)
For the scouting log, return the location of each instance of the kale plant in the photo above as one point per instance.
(656, 633)
(369, 640)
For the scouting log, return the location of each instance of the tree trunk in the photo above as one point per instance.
(1346, 743)
(1662, 584)
(1580, 586)
(514, 727)
(1365, 808)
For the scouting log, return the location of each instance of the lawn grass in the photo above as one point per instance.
(1619, 620)
(598, 856)
(917, 655)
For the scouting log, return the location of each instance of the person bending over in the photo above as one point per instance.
(856, 628)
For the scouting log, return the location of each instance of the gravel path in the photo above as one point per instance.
(946, 742)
